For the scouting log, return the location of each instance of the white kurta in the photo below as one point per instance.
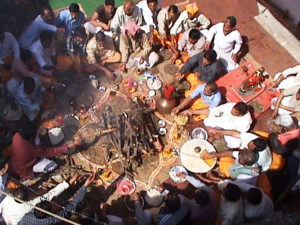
(221, 117)
(225, 45)
(9, 47)
(148, 16)
(291, 77)
(32, 33)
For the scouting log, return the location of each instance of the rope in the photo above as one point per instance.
(41, 210)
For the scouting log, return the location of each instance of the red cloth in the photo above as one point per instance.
(289, 135)
(168, 91)
(25, 154)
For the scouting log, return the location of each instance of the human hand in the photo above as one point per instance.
(77, 141)
(89, 180)
(273, 84)
(212, 130)
(207, 46)
(142, 60)
(234, 57)
(274, 114)
(175, 110)
(73, 179)
(207, 156)
(151, 39)
(187, 112)
(178, 76)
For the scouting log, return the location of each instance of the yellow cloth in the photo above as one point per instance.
(192, 8)
(224, 164)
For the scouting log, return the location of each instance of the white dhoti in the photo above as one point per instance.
(44, 165)
(226, 59)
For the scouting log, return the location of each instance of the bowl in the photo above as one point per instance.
(199, 133)
(153, 197)
(174, 171)
(162, 131)
(161, 123)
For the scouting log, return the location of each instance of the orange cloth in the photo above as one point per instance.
(192, 8)
(224, 164)
(264, 183)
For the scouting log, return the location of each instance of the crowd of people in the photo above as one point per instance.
(133, 35)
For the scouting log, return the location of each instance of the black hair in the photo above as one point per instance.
(254, 196)
(45, 205)
(201, 197)
(194, 34)
(241, 107)
(249, 157)
(172, 202)
(3, 161)
(28, 131)
(231, 20)
(29, 81)
(100, 36)
(20, 193)
(173, 9)
(74, 7)
(46, 35)
(25, 55)
(110, 2)
(2, 29)
(232, 192)
(260, 144)
(148, 1)
(213, 88)
(80, 32)
(210, 55)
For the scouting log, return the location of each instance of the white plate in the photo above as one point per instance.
(174, 171)
(200, 133)
(154, 84)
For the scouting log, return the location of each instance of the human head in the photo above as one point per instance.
(239, 109)
(194, 36)
(45, 205)
(173, 12)
(26, 56)
(3, 165)
(20, 193)
(128, 7)
(46, 38)
(152, 4)
(254, 196)
(191, 9)
(100, 38)
(79, 33)
(109, 6)
(247, 157)
(29, 85)
(232, 192)
(172, 202)
(257, 144)
(229, 24)
(210, 89)
(209, 57)
(74, 10)
(47, 14)
(201, 197)
(28, 132)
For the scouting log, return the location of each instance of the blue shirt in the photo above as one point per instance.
(212, 100)
(65, 20)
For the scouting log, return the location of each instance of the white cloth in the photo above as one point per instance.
(183, 23)
(12, 211)
(30, 103)
(255, 212)
(43, 55)
(134, 62)
(225, 45)
(191, 49)
(291, 77)
(44, 165)
(229, 212)
(32, 33)
(11, 86)
(221, 117)
(265, 156)
(163, 21)
(9, 46)
(120, 18)
(148, 16)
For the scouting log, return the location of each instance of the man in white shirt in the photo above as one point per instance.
(149, 10)
(166, 19)
(191, 43)
(229, 116)
(44, 52)
(29, 96)
(9, 46)
(227, 42)
(125, 13)
(231, 205)
(288, 78)
(245, 140)
(13, 211)
(32, 33)
(190, 18)
(257, 205)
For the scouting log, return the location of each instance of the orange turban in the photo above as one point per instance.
(192, 8)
